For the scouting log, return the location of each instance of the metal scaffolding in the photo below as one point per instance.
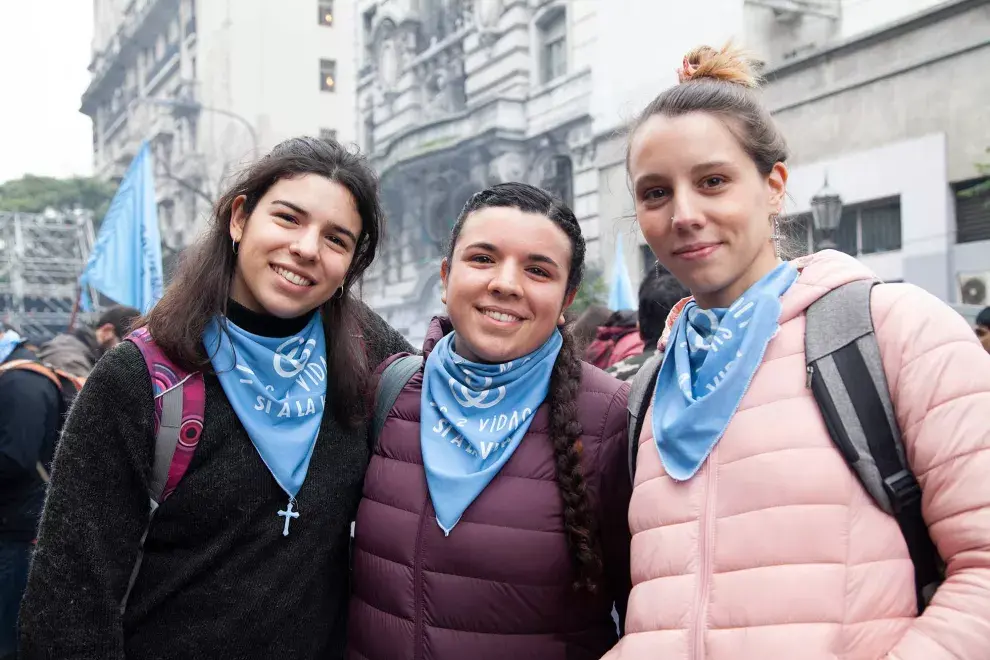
(42, 256)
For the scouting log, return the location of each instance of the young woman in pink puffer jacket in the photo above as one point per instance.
(752, 537)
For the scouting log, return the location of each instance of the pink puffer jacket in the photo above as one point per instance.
(774, 551)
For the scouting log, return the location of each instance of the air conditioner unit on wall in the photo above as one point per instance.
(974, 288)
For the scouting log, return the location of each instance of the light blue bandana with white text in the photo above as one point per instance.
(277, 387)
(472, 418)
(712, 356)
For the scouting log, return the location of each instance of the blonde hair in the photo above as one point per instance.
(722, 82)
(730, 64)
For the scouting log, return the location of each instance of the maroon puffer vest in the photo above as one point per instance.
(500, 586)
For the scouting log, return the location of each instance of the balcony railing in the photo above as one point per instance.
(170, 53)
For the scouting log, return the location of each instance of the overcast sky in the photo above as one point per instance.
(44, 51)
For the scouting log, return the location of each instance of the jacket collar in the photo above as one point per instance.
(440, 327)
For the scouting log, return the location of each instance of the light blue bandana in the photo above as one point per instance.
(473, 416)
(9, 341)
(712, 356)
(277, 387)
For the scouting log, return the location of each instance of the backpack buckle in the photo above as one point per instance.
(903, 490)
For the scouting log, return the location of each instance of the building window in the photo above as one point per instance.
(325, 7)
(328, 75)
(869, 228)
(973, 211)
(367, 25)
(880, 228)
(328, 134)
(189, 11)
(553, 45)
(558, 178)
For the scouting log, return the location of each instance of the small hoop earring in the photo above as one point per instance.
(340, 291)
(233, 245)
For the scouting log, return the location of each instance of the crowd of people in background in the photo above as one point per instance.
(37, 387)
(772, 457)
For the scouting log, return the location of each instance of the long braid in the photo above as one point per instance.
(565, 433)
(565, 381)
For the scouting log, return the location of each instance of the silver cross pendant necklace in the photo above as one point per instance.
(288, 514)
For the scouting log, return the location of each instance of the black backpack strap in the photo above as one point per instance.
(393, 379)
(847, 379)
(640, 394)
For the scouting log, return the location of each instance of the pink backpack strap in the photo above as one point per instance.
(180, 402)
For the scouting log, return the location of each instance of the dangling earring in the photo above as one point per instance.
(233, 246)
(656, 267)
(775, 236)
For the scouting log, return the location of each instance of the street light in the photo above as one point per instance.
(826, 211)
(190, 106)
(193, 106)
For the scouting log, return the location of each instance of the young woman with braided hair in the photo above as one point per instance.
(493, 521)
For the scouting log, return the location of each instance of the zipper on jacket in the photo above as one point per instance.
(418, 617)
(706, 538)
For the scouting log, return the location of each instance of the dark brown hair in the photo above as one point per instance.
(120, 317)
(658, 293)
(565, 381)
(202, 284)
(722, 83)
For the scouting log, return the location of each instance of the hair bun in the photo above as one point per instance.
(730, 64)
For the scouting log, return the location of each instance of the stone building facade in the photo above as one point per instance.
(459, 95)
(211, 85)
(455, 95)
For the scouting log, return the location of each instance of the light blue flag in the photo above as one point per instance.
(126, 262)
(621, 295)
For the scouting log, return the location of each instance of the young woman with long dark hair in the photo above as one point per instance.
(493, 518)
(248, 557)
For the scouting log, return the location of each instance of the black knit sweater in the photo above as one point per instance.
(218, 581)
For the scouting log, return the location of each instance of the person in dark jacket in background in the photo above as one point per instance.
(30, 410)
(618, 338)
(658, 293)
(494, 518)
(77, 351)
(983, 328)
